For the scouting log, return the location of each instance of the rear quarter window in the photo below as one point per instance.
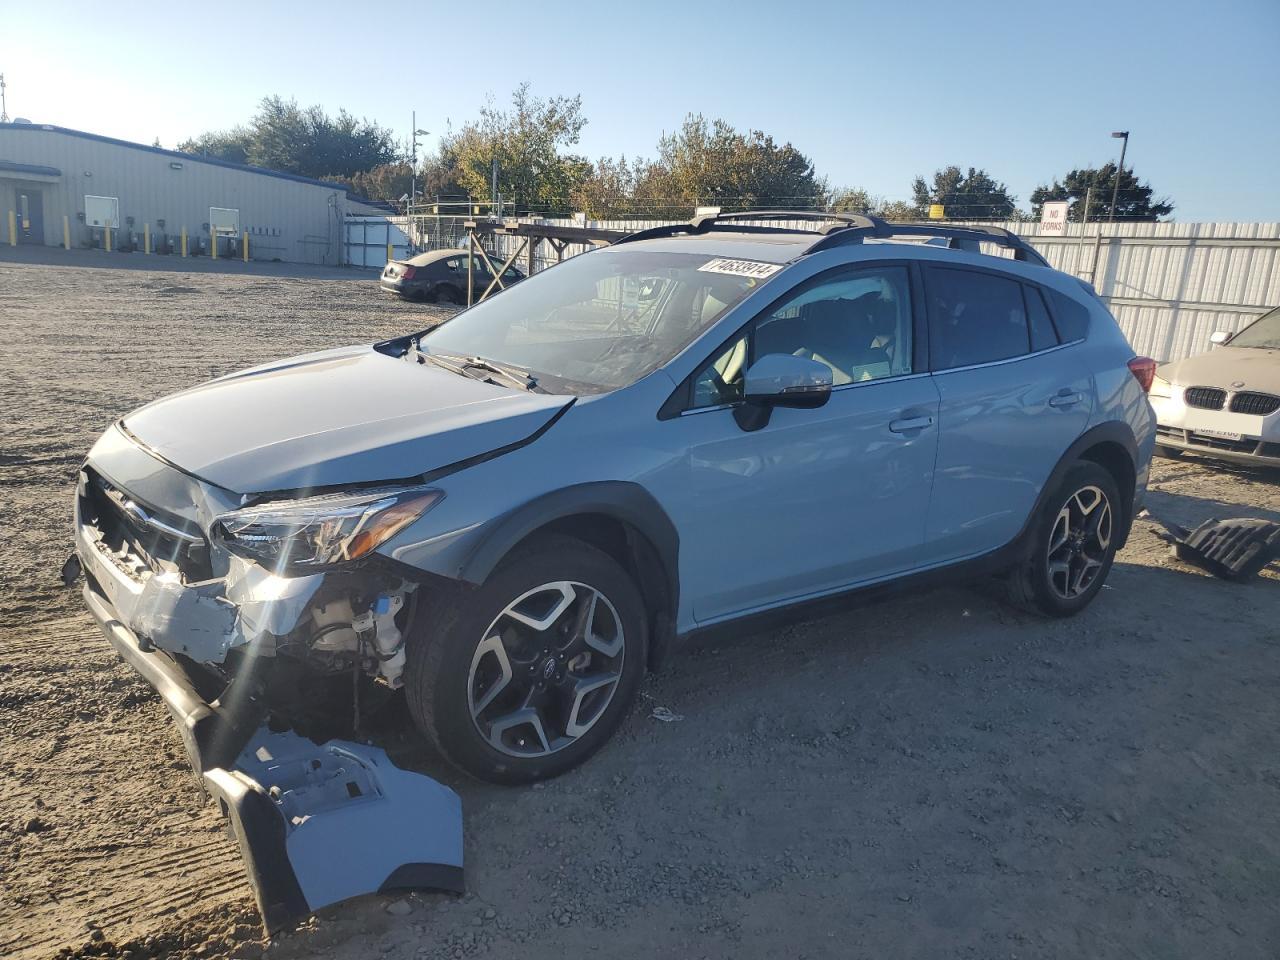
(1069, 315)
(1043, 335)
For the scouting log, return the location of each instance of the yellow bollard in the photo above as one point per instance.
(213, 244)
(106, 238)
(146, 238)
(66, 233)
(184, 241)
(390, 253)
(244, 247)
(13, 229)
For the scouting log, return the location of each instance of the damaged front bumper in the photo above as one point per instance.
(227, 645)
(316, 824)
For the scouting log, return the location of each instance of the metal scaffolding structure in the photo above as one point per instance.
(529, 236)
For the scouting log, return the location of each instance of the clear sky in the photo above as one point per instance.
(873, 92)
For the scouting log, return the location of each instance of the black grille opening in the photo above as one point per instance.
(1257, 404)
(105, 508)
(1206, 398)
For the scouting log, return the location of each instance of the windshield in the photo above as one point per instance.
(1263, 332)
(600, 321)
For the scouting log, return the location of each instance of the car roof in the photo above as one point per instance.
(771, 247)
(431, 256)
(785, 246)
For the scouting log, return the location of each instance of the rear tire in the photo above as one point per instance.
(527, 675)
(1074, 542)
(448, 293)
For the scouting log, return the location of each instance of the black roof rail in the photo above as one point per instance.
(846, 228)
(959, 236)
(707, 222)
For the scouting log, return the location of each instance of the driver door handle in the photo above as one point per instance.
(910, 424)
(1065, 399)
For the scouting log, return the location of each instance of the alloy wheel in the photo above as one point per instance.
(546, 669)
(1079, 542)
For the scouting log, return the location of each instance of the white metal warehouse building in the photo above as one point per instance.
(69, 186)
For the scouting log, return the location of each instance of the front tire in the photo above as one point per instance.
(530, 673)
(1074, 544)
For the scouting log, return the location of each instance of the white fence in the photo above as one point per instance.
(1170, 285)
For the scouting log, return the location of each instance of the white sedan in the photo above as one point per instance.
(1225, 403)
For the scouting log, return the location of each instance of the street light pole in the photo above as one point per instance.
(1123, 135)
(413, 162)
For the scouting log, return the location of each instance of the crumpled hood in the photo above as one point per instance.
(344, 416)
(1257, 369)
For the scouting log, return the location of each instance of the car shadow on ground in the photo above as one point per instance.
(864, 769)
(1190, 511)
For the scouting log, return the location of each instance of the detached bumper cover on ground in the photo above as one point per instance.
(316, 824)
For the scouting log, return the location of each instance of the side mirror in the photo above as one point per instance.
(782, 380)
(1219, 338)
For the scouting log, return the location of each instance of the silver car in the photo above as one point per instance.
(1225, 403)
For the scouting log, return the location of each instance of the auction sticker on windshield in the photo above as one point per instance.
(741, 268)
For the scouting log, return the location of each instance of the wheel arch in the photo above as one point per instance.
(621, 519)
(1111, 445)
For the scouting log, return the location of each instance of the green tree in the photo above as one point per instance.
(306, 141)
(965, 196)
(1134, 201)
(387, 181)
(709, 163)
(609, 189)
(229, 145)
(527, 141)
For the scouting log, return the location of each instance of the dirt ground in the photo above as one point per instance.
(932, 776)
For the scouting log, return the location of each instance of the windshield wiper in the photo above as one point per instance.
(480, 368)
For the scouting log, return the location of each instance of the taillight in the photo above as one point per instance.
(408, 272)
(1144, 369)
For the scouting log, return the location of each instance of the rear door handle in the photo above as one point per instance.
(1065, 399)
(908, 424)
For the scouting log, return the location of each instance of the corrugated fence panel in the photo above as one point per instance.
(1170, 285)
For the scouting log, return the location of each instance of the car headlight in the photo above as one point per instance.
(297, 536)
(1160, 387)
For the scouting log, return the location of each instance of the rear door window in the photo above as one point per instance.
(974, 317)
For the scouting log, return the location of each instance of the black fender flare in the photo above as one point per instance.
(621, 500)
(1112, 431)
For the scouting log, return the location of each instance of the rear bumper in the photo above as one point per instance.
(398, 286)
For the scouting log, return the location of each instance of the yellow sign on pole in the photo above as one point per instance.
(146, 238)
(106, 238)
(13, 229)
(244, 247)
(213, 242)
(937, 211)
(184, 241)
(66, 232)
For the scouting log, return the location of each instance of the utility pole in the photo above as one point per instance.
(4, 109)
(1123, 136)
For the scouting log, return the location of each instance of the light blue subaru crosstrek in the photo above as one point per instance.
(514, 514)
